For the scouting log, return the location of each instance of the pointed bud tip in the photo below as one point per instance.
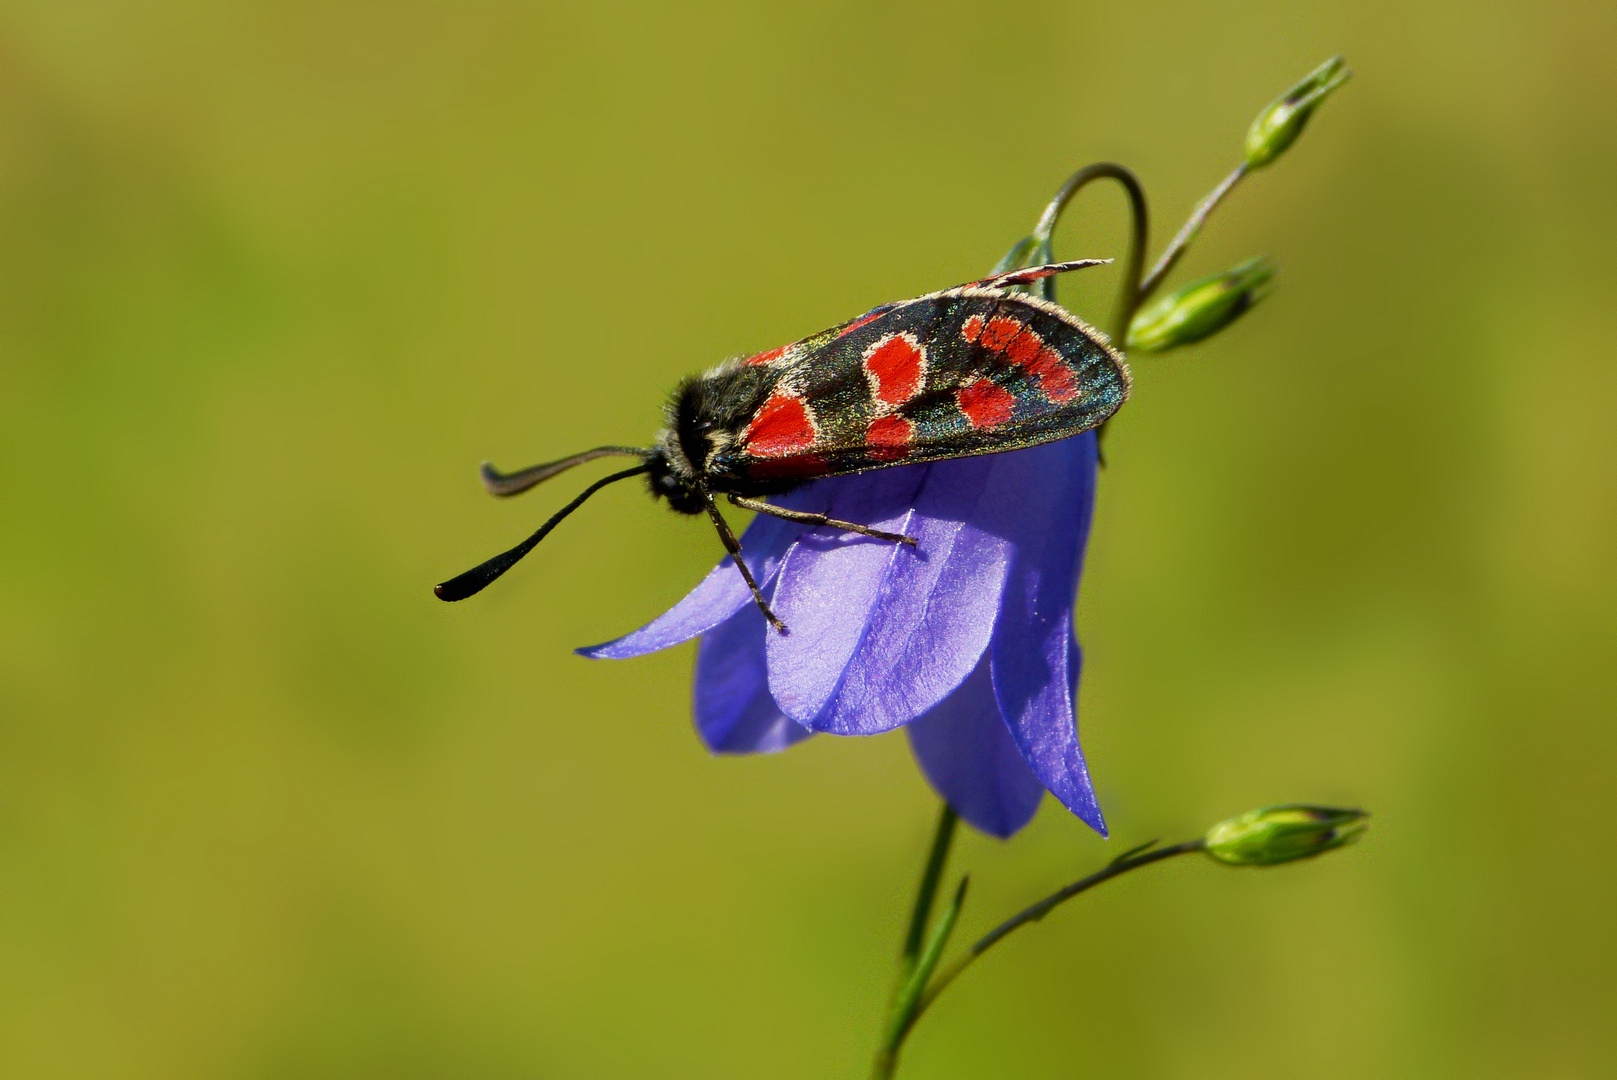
(1278, 126)
(1202, 308)
(1280, 834)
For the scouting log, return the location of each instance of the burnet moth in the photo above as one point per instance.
(976, 369)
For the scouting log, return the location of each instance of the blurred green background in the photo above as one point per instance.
(274, 277)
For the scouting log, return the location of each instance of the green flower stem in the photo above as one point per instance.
(1187, 233)
(1129, 295)
(1131, 860)
(906, 1002)
(921, 951)
(928, 891)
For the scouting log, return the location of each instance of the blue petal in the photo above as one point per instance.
(722, 593)
(968, 755)
(733, 709)
(1033, 655)
(829, 584)
(937, 609)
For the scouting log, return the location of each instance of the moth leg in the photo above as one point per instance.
(733, 546)
(803, 518)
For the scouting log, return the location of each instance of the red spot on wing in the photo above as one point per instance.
(799, 467)
(984, 403)
(1000, 332)
(781, 428)
(972, 329)
(760, 359)
(1023, 347)
(896, 365)
(889, 437)
(1056, 379)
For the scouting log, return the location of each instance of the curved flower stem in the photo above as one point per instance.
(1187, 233)
(1129, 294)
(1131, 860)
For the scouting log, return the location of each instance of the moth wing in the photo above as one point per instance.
(962, 372)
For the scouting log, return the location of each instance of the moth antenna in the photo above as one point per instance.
(478, 577)
(1031, 274)
(515, 483)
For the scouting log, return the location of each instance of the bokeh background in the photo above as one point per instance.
(275, 276)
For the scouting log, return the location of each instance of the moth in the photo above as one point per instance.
(976, 369)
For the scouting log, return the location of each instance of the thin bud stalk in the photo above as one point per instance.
(1122, 865)
(1188, 232)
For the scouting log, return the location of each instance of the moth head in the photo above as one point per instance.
(669, 475)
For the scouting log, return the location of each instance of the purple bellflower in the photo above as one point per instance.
(966, 639)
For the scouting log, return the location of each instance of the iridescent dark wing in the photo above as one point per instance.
(966, 371)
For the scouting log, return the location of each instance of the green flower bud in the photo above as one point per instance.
(1278, 126)
(1278, 834)
(1201, 308)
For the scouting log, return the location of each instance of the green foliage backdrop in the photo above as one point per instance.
(275, 276)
